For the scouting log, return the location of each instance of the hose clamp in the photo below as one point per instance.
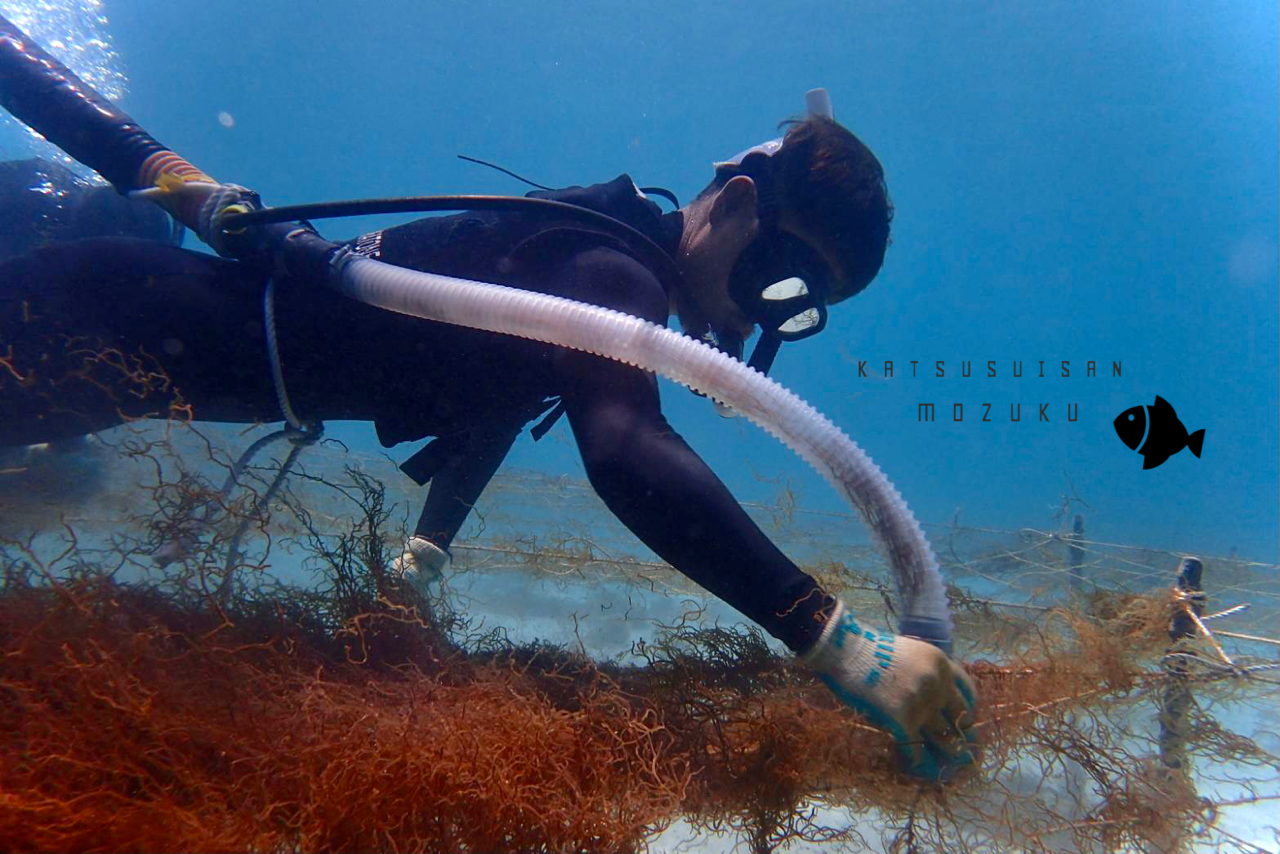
(226, 199)
(306, 434)
(340, 260)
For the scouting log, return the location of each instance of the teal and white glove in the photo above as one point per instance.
(903, 685)
(421, 564)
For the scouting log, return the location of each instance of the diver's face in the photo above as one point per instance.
(709, 308)
(716, 237)
(724, 314)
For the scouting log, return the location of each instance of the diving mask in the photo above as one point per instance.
(780, 282)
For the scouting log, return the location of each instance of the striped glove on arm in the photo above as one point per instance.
(906, 686)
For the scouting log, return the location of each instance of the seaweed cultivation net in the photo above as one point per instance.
(188, 669)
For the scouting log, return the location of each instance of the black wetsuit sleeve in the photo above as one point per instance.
(457, 483)
(657, 485)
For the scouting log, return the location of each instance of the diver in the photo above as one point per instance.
(45, 203)
(783, 231)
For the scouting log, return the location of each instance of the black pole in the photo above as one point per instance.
(1076, 554)
(1176, 699)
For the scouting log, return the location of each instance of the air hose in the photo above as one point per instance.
(646, 345)
(46, 95)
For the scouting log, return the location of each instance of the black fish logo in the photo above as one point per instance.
(1163, 432)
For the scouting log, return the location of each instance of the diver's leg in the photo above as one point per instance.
(456, 484)
(94, 332)
(48, 388)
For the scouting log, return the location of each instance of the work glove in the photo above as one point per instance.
(422, 563)
(903, 685)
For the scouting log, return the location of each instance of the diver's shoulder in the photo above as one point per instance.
(606, 276)
(619, 197)
(621, 184)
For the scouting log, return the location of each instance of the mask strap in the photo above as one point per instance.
(759, 169)
(765, 351)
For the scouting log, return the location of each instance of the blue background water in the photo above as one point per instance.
(1073, 181)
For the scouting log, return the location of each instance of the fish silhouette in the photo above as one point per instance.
(1164, 433)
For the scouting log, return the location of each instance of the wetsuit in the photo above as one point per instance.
(42, 202)
(199, 318)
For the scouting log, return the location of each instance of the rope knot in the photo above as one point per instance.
(226, 199)
(306, 434)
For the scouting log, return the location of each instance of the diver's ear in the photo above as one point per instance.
(736, 200)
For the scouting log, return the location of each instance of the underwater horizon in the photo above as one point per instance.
(1086, 220)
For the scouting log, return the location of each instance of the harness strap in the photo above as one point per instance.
(300, 434)
(307, 433)
(423, 464)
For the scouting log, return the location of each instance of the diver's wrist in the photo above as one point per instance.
(857, 655)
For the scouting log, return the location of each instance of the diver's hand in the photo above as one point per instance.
(903, 685)
(422, 563)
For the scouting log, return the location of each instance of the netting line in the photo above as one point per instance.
(1037, 557)
(571, 557)
(570, 484)
(1098, 545)
(1038, 550)
(1047, 536)
(592, 553)
(1103, 557)
(1184, 601)
(1242, 636)
(635, 563)
(1043, 537)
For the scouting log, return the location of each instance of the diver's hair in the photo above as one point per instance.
(831, 182)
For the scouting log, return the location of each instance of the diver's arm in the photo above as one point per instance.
(457, 484)
(655, 483)
(668, 497)
(663, 491)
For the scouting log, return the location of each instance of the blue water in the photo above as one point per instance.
(1072, 182)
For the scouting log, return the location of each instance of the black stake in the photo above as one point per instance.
(1076, 554)
(1177, 691)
